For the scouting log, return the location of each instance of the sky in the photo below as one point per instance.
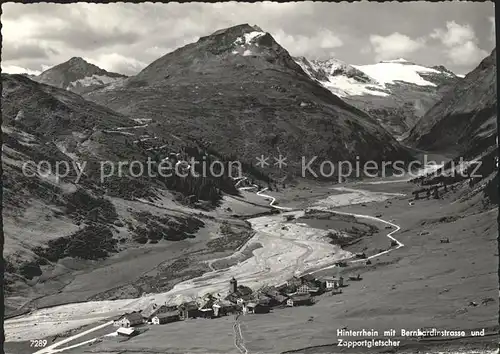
(125, 38)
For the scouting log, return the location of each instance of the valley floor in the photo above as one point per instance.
(426, 283)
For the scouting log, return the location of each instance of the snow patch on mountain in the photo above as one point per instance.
(343, 86)
(395, 92)
(340, 78)
(389, 72)
(346, 80)
(247, 38)
(245, 42)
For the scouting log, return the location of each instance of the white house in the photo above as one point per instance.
(166, 317)
(129, 320)
(333, 282)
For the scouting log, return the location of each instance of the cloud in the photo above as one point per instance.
(466, 54)
(321, 43)
(13, 69)
(31, 50)
(454, 34)
(89, 38)
(461, 44)
(115, 62)
(124, 35)
(395, 45)
(79, 27)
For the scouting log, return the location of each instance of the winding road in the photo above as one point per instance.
(238, 335)
(362, 216)
(389, 235)
(239, 340)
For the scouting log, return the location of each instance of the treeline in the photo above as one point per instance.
(208, 185)
(211, 185)
(205, 185)
(164, 227)
(247, 167)
(134, 181)
(474, 172)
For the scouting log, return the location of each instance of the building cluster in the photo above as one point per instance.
(297, 291)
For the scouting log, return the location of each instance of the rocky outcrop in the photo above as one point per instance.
(465, 118)
(78, 75)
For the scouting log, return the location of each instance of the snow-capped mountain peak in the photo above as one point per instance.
(340, 78)
(396, 92)
(247, 38)
(351, 80)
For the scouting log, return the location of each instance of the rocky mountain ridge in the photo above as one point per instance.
(78, 75)
(58, 207)
(466, 115)
(464, 123)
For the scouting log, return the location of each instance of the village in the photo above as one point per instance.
(241, 300)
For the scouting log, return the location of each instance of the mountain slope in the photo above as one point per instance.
(396, 92)
(241, 92)
(464, 122)
(65, 211)
(77, 75)
(88, 133)
(465, 116)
